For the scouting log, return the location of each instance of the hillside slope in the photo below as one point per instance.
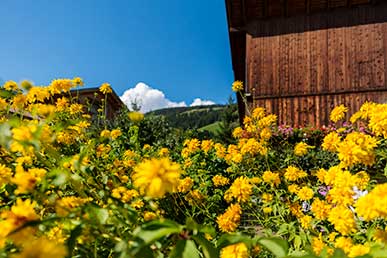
(191, 117)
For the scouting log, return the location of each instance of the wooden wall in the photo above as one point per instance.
(301, 67)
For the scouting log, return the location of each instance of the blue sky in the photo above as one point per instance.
(179, 47)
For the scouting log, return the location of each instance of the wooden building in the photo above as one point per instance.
(92, 99)
(300, 58)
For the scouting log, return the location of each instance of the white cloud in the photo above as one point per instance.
(199, 102)
(151, 99)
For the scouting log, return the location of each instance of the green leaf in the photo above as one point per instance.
(227, 240)
(276, 246)
(297, 242)
(339, 254)
(145, 252)
(155, 230)
(99, 214)
(185, 249)
(191, 224)
(378, 251)
(73, 238)
(208, 248)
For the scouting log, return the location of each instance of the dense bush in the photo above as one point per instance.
(137, 188)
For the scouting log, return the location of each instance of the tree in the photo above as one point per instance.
(229, 121)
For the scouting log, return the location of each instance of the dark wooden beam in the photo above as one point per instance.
(244, 17)
(307, 6)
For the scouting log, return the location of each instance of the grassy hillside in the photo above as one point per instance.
(191, 117)
(213, 128)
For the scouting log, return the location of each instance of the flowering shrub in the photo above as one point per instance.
(69, 187)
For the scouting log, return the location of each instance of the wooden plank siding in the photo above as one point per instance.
(301, 111)
(301, 66)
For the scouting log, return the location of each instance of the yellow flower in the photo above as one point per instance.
(295, 209)
(26, 181)
(76, 108)
(305, 193)
(61, 104)
(338, 113)
(194, 197)
(377, 114)
(330, 175)
(255, 180)
(235, 251)
(267, 121)
(56, 234)
(331, 142)
(105, 88)
(344, 179)
(5, 174)
(258, 113)
(19, 101)
(271, 178)
(380, 236)
(59, 85)
(207, 145)
(220, 150)
(237, 133)
(20, 213)
(292, 173)
(301, 148)
(306, 221)
(293, 188)
(115, 133)
(252, 147)
(105, 134)
(136, 117)
(359, 250)
(69, 203)
(24, 210)
(219, 180)
(149, 215)
(342, 219)
(25, 84)
(241, 189)
(185, 185)
(39, 94)
(357, 148)
(124, 194)
(320, 209)
(267, 210)
(237, 86)
(267, 197)
(24, 133)
(42, 248)
(155, 177)
(137, 204)
(78, 81)
(373, 205)
(320, 174)
(65, 137)
(247, 121)
(344, 243)
(318, 245)
(265, 134)
(163, 152)
(361, 180)
(229, 221)
(3, 104)
(10, 85)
